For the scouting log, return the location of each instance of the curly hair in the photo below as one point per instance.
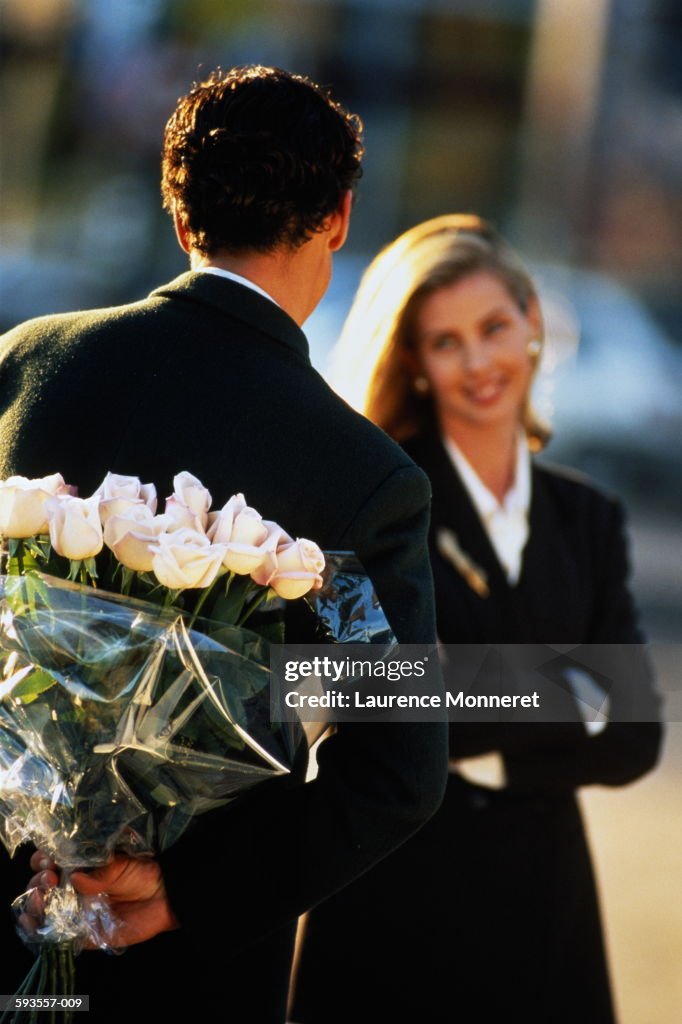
(256, 158)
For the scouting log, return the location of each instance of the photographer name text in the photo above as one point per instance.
(345, 701)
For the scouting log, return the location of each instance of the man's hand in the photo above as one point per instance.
(134, 887)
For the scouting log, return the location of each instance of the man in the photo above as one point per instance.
(211, 373)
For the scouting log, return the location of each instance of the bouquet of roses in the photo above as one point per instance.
(123, 715)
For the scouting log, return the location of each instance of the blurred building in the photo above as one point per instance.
(562, 122)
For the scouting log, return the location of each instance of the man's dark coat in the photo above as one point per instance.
(208, 376)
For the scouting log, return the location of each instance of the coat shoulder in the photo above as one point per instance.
(370, 442)
(63, 331)
(575, 493)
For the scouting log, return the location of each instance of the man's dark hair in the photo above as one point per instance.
(255, 158)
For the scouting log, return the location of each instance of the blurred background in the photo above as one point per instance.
(560, 120)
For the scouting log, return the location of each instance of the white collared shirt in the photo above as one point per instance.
(219, 272)
(506, 523)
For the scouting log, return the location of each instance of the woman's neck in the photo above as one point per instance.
(490, 452)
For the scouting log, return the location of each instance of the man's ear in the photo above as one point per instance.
(339, 222)
(181, 232)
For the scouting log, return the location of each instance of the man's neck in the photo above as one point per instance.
(207, 268)
(288, 277)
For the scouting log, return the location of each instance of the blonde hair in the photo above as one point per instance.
(368, 369)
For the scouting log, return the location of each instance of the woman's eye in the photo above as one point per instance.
(445, 341)
(494, 327)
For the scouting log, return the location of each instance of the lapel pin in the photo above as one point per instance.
(449, 547)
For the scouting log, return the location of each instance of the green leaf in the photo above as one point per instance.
(36, 587)
(91, 568)
(227, 606)
(273, 632)
(128, 577)
(30, 688)
(164, 795)
(39, 547)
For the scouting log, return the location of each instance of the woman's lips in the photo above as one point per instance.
(485, 394)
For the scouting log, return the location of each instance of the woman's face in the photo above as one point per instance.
(472, 346)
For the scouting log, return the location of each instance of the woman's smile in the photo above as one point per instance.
(485, 393)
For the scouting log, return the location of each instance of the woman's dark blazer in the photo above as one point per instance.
(490, 914)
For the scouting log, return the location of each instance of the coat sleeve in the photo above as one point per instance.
(292, 845)
(629, 745)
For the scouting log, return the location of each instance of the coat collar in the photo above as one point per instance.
(453, 507)
(543, 603)
(239, 303)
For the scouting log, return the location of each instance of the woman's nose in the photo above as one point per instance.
(475, 357)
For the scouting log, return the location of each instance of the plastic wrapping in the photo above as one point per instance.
(347, 606)
(119, 724)
(348, 611)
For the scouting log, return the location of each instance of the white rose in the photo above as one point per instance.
(186, 559)
(191, 493)
(298, 568)
(131, 535)
(75, 528)
(277, 538)
(23, 504)
(181, 517)
(244, 533)
(117, 493)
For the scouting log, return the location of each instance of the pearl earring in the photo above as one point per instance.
(420, 385)
(534, 347)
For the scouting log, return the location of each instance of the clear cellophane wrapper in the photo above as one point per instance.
(119, 724)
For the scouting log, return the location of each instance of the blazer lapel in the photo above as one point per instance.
(548, 587)
(495, 617)
(454, 510)
(547, 602)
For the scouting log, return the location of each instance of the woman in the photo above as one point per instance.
(490, 913)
